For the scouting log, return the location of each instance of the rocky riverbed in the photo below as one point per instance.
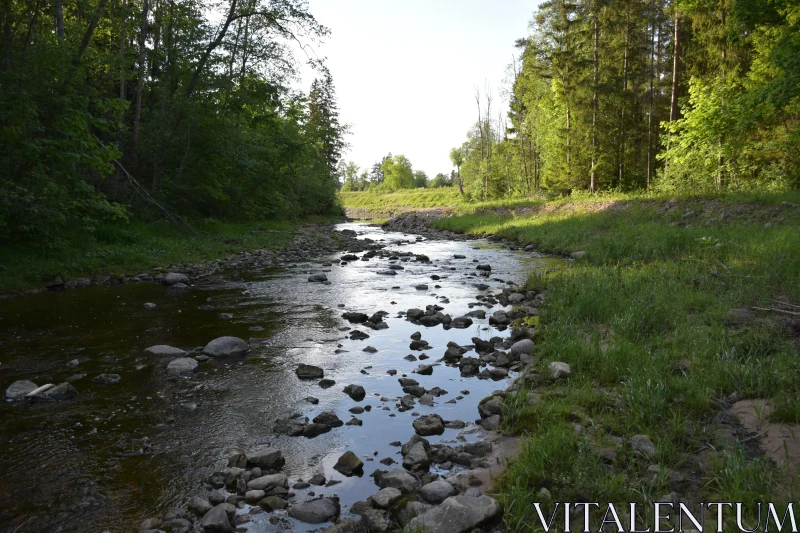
(353, 382)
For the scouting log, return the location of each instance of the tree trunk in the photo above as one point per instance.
(122, 50)
(59, 15)
(652, 98)
(139, 87)
(673, 112)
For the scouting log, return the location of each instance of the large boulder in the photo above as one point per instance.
(457, 514)
(226, 347)
(315, 511)
(319, 278)
(181, 366)
(349, 464)
(461, 322)
(163, 350)
(266, 459)
(429, 425)
(328, 418)
(18, 390)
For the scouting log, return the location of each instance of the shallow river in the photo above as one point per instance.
(68, 467)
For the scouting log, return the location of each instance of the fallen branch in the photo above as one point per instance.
(787, 304)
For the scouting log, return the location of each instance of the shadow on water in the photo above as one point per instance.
(73, 466)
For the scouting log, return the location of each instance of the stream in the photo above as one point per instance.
(70, 467)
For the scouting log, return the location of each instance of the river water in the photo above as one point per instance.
(68, 467)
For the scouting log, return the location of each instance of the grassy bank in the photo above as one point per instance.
(401, 200)
(644, 321)
(131, 248)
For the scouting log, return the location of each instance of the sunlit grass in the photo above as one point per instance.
(641, 320)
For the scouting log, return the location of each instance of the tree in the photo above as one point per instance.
(420, 179)
(398, 173)
(457, 156)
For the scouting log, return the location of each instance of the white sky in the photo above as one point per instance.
(405, 71)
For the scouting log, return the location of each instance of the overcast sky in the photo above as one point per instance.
(405, 71)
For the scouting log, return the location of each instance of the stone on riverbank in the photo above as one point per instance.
(437, 491)
(61, 392)
(173, 278)
(398, 479)
(107, 379)
(216, 520)
(457, 514)
(356, 392)
(268, 482)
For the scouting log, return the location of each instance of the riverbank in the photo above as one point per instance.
(123, 251)
(679, 320)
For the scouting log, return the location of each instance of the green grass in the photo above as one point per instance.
(412, 198)
(641, 320)
(132, 248)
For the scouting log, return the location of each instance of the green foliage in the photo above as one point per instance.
(203, 123)
(397, 173)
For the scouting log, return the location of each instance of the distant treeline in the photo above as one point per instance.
(113, 107)
(644, 94)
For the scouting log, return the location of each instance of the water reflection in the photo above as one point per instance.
(70, 466)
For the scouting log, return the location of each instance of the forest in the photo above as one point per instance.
(630, 95)
(157, 109)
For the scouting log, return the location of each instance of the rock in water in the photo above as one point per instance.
(309, 372)
(349, 464)
(107, 379)
(61, 392)
(458, 514)
(18, 389)
(266, 459)
(181, 366)
(226, 347)
(356, 392)
(429, 425)
(162, 350)
(315, 511)
(317, 278)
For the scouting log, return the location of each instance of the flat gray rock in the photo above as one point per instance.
(399, 479)
(523, 347)
(457, 514)
(163, 350)
(266, 459)
(315, 511)
(174, 277)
